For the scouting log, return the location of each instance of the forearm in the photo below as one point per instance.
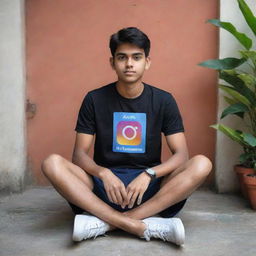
(83, 160)
(171, 164)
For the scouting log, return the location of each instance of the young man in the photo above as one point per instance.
(125, 184)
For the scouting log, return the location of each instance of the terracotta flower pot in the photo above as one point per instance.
(241, 171)
(250, 183)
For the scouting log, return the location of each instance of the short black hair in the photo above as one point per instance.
(130, 35)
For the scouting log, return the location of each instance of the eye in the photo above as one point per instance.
(137, 57)
(120, 57)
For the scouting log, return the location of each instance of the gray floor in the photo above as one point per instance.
(39, 222)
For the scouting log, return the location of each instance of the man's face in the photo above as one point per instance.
(129, 63)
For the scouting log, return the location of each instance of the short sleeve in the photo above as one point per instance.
(172, 120)
(86, 117)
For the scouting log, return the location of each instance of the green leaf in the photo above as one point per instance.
(249, 55)
(238, 109)
(248, 15)
(235, 94)
(227, 63)
(215, 126)
(230, 101)
(231, 72)
(239, 86)
(232, 134)
(242, 38)
(244, 157)
(250, 139)
(247, 159)
(249, 80)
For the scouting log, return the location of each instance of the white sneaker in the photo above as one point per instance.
(87, 226)
(167, 229)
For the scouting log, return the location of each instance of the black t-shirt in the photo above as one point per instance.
(128, 131)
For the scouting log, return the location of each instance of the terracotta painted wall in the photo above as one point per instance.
(67, 54)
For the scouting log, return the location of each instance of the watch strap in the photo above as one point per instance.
(151, 173)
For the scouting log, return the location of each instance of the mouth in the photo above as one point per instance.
(129, 72)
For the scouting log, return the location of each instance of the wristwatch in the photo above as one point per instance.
(151, 173)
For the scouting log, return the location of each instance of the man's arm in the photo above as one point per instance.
(114, 187)
(178, 146)
(80, 154)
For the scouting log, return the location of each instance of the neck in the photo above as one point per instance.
(131, 90)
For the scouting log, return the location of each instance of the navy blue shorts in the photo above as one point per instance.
(127, 175)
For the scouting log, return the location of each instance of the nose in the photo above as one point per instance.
(129, 62)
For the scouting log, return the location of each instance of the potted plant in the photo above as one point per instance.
(239, 75)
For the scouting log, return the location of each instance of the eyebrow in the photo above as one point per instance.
(122, 53)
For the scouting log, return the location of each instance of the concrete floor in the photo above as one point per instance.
(39, 222)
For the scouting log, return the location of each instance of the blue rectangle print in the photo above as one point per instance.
(129, 132)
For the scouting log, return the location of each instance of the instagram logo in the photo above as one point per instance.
(129, 133)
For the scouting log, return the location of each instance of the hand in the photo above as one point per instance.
(114, 188)
(137, 188)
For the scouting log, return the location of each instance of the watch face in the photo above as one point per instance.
(151, 172)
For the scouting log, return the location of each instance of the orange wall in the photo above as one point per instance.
(67, 55)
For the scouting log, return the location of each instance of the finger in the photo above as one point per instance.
(140, 197)
(109, 197)
(129, 196)
(133, 199)
(113, 196)
(124, 196)
(119, 197)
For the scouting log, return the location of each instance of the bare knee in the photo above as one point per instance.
(51, 165)
(203, 165)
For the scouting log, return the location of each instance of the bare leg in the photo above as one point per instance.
(75, 185)
(175, 187)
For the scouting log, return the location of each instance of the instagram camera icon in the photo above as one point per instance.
(129, 133)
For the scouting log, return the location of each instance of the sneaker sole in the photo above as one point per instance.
(180, 235)
(78, 228)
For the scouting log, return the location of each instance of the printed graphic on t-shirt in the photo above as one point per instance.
(129, 132)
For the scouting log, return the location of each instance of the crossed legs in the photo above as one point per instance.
(76, 186)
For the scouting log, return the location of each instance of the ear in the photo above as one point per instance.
(111, 61)
(148, 63)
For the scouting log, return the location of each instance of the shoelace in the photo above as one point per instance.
(157, 232)
(94, 230)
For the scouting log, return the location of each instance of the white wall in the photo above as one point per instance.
(227, 151)
(12, 96)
